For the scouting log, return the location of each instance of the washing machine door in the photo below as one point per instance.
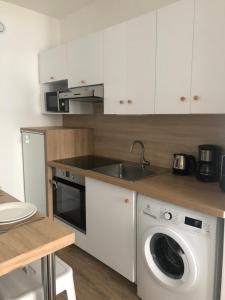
(170, 259)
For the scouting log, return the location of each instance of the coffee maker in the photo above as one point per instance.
(208, 164)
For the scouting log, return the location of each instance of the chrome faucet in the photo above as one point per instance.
(143, 161)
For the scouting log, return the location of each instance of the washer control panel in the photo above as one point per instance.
(176, 218)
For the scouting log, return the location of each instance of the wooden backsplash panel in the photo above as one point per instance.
(162, 135)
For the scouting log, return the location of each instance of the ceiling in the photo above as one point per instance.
(53, 8)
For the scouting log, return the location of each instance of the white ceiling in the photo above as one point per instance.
(53, 8)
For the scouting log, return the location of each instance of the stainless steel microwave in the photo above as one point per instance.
(56, 104)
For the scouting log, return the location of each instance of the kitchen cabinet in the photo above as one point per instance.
(111, 226)
(174, 57)
(208, 79)
(85, 60)
(53, 64)
(115, 64)
(40, 145)
(129, 66)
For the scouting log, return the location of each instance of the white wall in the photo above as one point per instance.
(105, 13)
(26, 34)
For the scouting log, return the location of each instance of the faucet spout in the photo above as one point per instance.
(143, 161)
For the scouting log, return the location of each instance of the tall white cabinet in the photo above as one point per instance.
(33, 146)
(129, 66)
(111, 226)
(208, 79)
(174, 57)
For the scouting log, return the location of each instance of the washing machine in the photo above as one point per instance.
(179, 252)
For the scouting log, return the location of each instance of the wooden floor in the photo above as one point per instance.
(94, 280)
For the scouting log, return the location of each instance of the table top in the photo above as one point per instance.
(24, 243)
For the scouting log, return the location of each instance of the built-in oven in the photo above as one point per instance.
(69, 203)
(54, 103)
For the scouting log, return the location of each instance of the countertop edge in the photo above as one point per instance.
(159, 187)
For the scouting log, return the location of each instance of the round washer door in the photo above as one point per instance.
(170, 258)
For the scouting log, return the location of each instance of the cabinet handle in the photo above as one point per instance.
(196, 98)
(129, 101)
(83, 82)
(121, 102)
(126, 200)
(182, 99)
(51, 77)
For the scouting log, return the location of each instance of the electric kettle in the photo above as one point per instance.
(183, 164)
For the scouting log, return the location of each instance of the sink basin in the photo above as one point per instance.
(126, 171)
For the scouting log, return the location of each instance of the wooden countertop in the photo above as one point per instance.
(25, 243)
(183, 191)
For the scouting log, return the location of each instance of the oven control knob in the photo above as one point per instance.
(167, 216)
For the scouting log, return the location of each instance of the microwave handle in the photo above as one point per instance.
(222, 166)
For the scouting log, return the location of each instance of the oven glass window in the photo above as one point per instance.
(52, 102)
(69, 204)
(167, 255)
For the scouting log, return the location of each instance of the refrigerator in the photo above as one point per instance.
(34, 170)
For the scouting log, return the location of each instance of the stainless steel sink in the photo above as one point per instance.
(126, 171)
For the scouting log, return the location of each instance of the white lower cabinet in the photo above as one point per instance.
(111, 226)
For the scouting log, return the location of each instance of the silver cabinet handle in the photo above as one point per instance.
(129, 101)
(121, 102)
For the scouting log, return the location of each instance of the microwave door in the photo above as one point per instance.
(52, 101)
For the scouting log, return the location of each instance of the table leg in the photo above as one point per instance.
(48, 276)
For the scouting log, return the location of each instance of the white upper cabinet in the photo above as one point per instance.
(129, 66)
(141, 52)
(208, 81)
(115, 66)
(52, 65)
(85, 60)
(174, 57)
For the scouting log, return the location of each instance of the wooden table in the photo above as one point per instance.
(25, 243)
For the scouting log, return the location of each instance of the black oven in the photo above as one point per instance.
(55, 104)
(69, 203)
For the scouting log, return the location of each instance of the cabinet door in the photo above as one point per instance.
(85, 60)
(174, 57)
(53, 65)
(115, 68)
(208, 83)
(34, 169)
(141, 53)
(111, 227)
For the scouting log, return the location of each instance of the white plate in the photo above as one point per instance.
(16, 211)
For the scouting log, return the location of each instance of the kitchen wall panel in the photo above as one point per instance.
(162, 135)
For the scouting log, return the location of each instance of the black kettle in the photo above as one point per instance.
(183, 164)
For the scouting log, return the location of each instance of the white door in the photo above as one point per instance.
(141, 51)
(53, 64)
(111, 226)
(85, 60)
(34, 169)
(208, 83)
(174, 57)
(115, 68)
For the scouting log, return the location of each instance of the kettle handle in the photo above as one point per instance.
(192, 163)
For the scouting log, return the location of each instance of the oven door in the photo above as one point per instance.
(52, 101)
(69, 203)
